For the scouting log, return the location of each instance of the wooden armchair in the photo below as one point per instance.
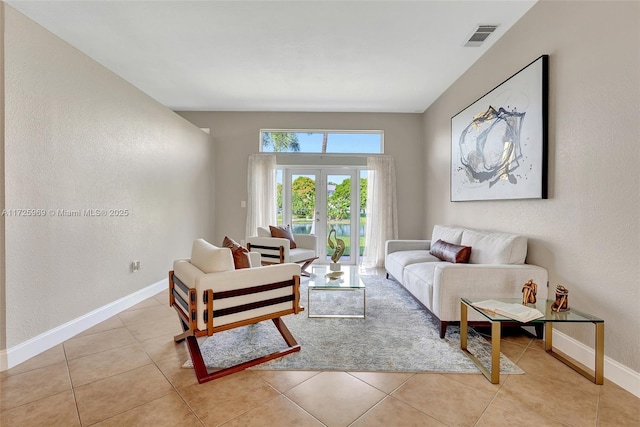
(277, 250)
(210, 296)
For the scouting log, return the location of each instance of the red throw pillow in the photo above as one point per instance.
(449, 252)
(239, 252)
(283, 232)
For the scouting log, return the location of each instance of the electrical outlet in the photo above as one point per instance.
(135, 266)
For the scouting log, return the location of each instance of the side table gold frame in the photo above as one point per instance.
(493, 374)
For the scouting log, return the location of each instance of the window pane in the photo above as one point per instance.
(303, 203)
(356, 142)
(279, 196)
(339, 213)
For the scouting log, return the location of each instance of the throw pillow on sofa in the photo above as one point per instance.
(449, 252)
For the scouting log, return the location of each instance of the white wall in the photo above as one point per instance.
(79, 137)
(587, 234)
(3, 331)
(235, 135)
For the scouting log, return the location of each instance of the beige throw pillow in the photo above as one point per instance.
(239, 252)
(283, 232)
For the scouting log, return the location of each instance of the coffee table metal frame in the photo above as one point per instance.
(349, 281)
(550, 317)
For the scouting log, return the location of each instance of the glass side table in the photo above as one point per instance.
(550, 317)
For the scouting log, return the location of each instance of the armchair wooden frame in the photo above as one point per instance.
(187, 314)
(269, 259)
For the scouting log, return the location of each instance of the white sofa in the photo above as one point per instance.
(496, 269)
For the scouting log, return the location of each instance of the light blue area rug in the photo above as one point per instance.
(397, 335)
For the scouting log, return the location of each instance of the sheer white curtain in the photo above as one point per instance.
(261, 189)
(382, 210)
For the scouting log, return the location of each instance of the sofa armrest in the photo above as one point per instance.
(406, 245)
(453, 281)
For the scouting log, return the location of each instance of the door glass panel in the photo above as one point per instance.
(362, 217)
(279, 197)
(338, 216)
(303, 203)
(316, 201)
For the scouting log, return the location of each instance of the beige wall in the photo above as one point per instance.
(79, 137)
(235, 135)
(587, 234)
(3, 311)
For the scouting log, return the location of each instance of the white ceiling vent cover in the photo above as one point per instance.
(480, 35)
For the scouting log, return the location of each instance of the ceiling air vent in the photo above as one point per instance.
(480, 35)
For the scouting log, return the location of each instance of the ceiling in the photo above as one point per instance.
(331, 56)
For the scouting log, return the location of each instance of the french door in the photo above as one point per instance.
(317, 201)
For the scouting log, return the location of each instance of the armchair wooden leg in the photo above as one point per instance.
(186, 332)
(203, 374)
(305, 264)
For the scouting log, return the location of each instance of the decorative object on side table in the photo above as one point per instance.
(562, 299)
(529, 291)
(338, 249)
(334, 275)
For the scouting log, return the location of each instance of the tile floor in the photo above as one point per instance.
(127, 371)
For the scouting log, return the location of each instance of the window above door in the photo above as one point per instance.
(321, 141)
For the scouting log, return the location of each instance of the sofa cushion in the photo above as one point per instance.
(395, 262)
(239, 252)
(209, 258)
(495, 248)
(418, 279)
(447, 233)
(283, 232)
(449, 252)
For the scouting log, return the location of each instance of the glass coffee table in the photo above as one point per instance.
(349, 280)
(550, 317)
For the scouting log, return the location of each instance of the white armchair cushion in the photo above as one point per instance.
(210, 258)
(300, 254)
(306, 241)
(255, 259)
(264, 232)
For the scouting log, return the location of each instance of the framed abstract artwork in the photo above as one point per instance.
(499, 144)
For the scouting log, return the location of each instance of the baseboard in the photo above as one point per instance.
(38, 344)
(613, 371)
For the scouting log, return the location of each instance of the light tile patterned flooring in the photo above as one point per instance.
(127, 371)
